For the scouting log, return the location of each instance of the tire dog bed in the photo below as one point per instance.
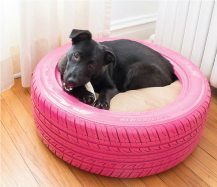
(120, 144)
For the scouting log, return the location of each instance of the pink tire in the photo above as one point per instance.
(125, 145)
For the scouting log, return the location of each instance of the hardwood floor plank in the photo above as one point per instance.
(111, 182)
(171, 179)
(212, 126)
(209, 147)
(153, 180)
(187, 175)
(23, 95)
(86, 178)
(46, 168)
(203, 165)
(210, 135)
(14, 171)
(134, 183)
(207, 160)
(1, 107)
(212, 115)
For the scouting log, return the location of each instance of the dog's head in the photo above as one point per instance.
(84, 60)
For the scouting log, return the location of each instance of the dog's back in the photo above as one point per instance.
(132, 58)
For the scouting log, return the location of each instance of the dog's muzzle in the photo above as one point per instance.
(68, 87)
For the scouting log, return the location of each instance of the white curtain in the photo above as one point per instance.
(31, 28)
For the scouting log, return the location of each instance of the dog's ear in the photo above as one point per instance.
(62, 64)
(80, 35)
(109, 56)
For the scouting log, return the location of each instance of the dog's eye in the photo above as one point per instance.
(90, 66)
(76, 56)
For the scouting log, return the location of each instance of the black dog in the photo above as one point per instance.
(112, 67)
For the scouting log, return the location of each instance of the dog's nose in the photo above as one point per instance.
(70, 81)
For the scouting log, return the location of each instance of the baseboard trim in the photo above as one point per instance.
(17, 75)
(132, 22)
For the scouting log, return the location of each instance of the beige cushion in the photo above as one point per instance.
(143, 99)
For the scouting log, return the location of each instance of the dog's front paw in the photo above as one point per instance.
(101, 104)
(87, 98)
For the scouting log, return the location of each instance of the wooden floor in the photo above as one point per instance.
(26, 162)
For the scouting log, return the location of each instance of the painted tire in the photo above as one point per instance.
(125, 145)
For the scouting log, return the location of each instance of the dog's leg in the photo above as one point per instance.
(103, 101)
(83, 95)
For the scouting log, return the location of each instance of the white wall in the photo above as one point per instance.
(133, 18)
(130, 8)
